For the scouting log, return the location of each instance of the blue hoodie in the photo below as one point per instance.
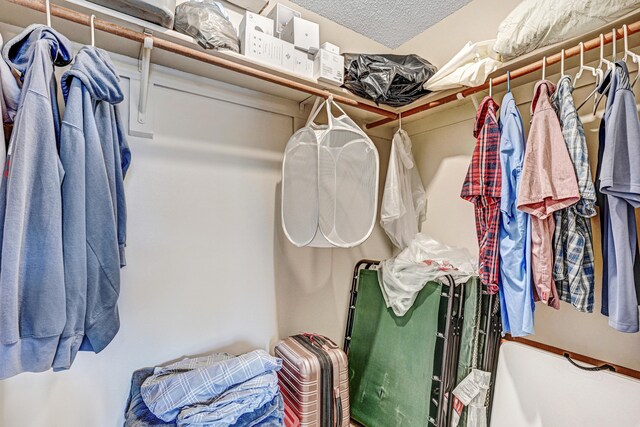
(32, 288)
(95, 156)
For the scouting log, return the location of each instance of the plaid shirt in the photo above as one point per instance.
(204, 379)
(572, 240)
(253, 401)
(482, 187)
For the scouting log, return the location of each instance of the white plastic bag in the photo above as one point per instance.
(424, 260)
(404, 199)
(330, 179)
(469, 67)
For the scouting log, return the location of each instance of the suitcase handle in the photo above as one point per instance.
(338, 407)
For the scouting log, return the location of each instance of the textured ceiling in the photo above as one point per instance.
(389, 22)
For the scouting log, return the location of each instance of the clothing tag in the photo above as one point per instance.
(472, 392)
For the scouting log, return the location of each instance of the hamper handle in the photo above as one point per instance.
(603, 367)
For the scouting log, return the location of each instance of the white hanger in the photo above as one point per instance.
(48, 9)
(544, 68)
(603, 60)
(627, 53)
(93, 31)
(614, 38)
(596, 72)
(562, 64)
(400, 121)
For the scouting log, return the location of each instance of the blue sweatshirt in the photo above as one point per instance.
(32, 288)
(95, 156)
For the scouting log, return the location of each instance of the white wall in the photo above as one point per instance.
(208, 267)
(443, 143)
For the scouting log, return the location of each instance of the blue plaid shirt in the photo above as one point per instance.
(573, 242)
(213, 387)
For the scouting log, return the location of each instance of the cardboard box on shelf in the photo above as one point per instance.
(304, 63)
(281, 15)
(329, 67)
(305, 35)
(268, 49)
(330, 47)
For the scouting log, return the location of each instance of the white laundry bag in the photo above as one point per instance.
(404, 199)
(329, 183)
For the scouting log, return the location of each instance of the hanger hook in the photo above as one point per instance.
(544, 67)
(508, 81)
(93, 31)
(562, 63)
(48, 9)
(490, 88)
(625, 32)
(614, 37)
(400, 120)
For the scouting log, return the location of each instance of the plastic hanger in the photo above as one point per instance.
(508, 81)
(628, 54)
(48, 9)
(604, 60)
(614, 36)
(93, 31)
(596, 72)
(399, 121)
(562, 74)
(544, 68)
(614, 39)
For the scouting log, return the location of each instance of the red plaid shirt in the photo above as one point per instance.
(482, 187)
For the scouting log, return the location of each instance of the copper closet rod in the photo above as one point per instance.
(390, 116)
(108, 27)
(519, 72)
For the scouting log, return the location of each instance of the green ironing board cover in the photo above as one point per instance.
(391, 358)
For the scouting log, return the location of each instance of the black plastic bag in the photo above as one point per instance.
(207, 23)
(394, 80)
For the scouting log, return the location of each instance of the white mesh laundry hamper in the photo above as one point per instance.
(329, 183)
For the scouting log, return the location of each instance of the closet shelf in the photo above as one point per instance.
(176, 43)
(502, 78)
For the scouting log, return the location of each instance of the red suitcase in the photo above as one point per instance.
(314, 380)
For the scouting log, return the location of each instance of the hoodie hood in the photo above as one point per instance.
(542, 93)
(19, 51)
(9, 91)
(94, 69)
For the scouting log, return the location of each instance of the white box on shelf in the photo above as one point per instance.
(268, 49)
(288, 61)
(253, 21)
(330, 47)
(329, 67)
(305, 35)
(281, 15)
(304, 63)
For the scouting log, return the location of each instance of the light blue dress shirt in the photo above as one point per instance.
(516, 292)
